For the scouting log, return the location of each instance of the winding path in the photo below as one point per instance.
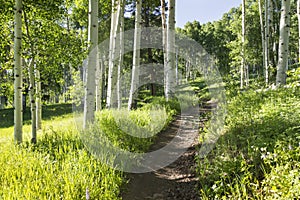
(177, 181)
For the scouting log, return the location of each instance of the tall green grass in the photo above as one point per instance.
(59, 166)
(258, 155)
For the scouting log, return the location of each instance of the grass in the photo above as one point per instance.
(258, 155)
(59, 166)
(49, 112)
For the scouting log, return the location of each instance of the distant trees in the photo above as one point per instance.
(261, 43)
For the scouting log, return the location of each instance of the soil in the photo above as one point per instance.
(178, 181)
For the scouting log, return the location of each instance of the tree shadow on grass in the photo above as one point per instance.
(48, 112)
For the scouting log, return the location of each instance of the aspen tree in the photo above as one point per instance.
(18, 110)
(283, 43)
(136, 54)
(90, 89)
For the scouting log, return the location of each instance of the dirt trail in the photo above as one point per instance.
(177, 181)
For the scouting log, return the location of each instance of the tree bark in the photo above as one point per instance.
(262, 32)
(298, 16)
(267, 39)
(170, 82)
(121, 51)
(164, 38)
(99, 85)
(274, 34)
(136, 55)
(283, 43)
(38, 99)
(32, 100)
(18, 110)
(242, 70)
(115, 17)
(90, 88)
(32, 84)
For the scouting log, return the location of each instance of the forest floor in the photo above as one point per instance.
(178, 181)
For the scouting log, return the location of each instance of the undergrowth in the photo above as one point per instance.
(257, 157)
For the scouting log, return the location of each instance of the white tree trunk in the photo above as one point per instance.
(18, 110)
(90, 88)
(121, 50)
(242, 70)
(262, 32)
(32, 100)
(177, 78)
(298, 16)
(111, 59)
(38, 100)
(187, 70)
(283, 43)
(267, 38)
(99, 85)
(164, 38)
(32, 84)
(274, 33)
(136, 54)
(170, 82)
(115, 17)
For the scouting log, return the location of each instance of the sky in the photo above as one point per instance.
(202, 10)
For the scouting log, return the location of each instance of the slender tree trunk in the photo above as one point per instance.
(99, 85)
(111, 59)
(38, 99)
(18, 110)
(283, 43)
(187, 70)
(267, 39)
(121, 51)
(177, 78)
(272, 61)
(243, 45)
(112, 72)
(136, 54)
(262, 32)
(164, 38)
(32, 101)
(170, 82)
(275, 34)
(32, 84)
(90, 89)
(298, 16)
